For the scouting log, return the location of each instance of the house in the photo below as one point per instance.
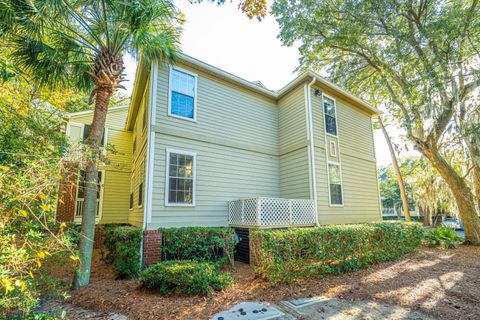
(199, 146)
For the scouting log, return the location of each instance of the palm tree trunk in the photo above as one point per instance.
(82, 275)
(398, 174)
(461, 192)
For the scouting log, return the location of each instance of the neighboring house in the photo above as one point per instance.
(202, 147)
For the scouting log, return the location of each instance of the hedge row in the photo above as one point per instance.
(198, 243)
(123, 245)
(281, 256)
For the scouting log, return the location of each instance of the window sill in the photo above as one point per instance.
(336, 205)
(194, 119)
(179, 204)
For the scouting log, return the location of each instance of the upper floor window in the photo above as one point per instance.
(330, 112)
(180, 184)
(183, 89)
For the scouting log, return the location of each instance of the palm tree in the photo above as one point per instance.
(81, 43)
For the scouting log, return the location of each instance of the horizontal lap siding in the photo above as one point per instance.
(224, 112)
(222, 174)
(117, 171)
(294, 179)
(361, 198)
(236, 142)
(138, 166)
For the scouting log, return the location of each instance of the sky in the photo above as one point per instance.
(225, 38)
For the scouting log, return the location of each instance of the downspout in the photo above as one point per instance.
(311, 147)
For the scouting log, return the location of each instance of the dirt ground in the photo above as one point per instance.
(442, 283)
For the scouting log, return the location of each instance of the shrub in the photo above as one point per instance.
(281, 256)
(186, 277)
(123, 246)
(198, 243)
(442, 236)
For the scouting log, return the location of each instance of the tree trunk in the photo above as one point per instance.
(82, 275)
(398, 174)
(461, 192)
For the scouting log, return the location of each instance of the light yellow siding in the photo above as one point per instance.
(117, 171)
(140, 132)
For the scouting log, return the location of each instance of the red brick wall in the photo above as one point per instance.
(67, 192)
(152, 242)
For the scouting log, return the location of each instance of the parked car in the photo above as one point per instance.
(454, 223)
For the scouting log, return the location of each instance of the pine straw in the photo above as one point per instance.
(442, 283)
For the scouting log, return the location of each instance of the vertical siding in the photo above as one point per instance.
(117, 171)
(355, 143)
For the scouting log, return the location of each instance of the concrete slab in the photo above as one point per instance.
(336, 309)
(252, 311)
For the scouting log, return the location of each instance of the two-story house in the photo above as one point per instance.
(202, 147)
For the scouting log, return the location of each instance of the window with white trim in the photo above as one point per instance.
(141, 184)
(182, 94)
(132, 188)
(180, 188)
(335, 181)
(329, 110)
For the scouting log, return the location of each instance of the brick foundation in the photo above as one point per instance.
(67, 193)
(152, 243)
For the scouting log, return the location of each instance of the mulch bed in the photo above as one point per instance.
(442, 283)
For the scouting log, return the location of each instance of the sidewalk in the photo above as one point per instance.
(319, 308)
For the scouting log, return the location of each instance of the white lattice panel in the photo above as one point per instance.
(271, 212)
(303, 212)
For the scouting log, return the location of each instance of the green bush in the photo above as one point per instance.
(442, 236)
(123, 249)
(198, 243)
(281, 256)
(187, 277)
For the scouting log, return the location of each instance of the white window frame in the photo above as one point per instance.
(169, 107)
(325, 118)
(132, 192)
(333, 149)
(341, 184)
(82, 126)
(141, 181)
(77, 220)
(167, 177)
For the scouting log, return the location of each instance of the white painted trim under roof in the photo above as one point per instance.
(273, 94)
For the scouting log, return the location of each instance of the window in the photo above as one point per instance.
(86, 133)
(329, 110)
(183, 87)
(134, 146)
(144, 118)
(335, 181)
(132, 188)
(333, 149)
(180, 185)
(141, 184)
